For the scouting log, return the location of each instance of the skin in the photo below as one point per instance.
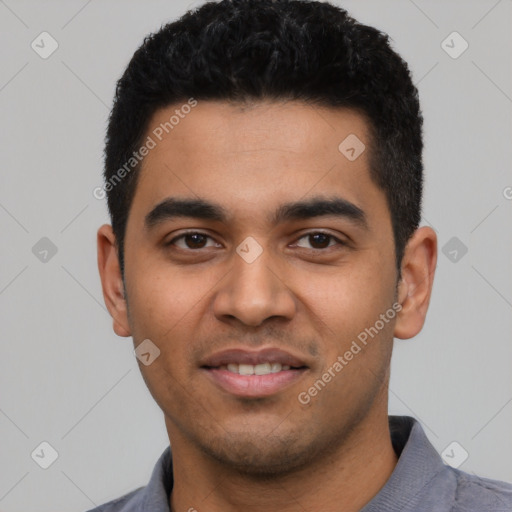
(272, 453)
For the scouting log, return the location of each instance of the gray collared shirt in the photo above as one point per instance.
(420, 482)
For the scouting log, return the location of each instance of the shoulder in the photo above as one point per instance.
(129, 502)
(474, 493)
(154, 497)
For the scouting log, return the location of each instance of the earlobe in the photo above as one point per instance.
(111, 280)
(415, 287)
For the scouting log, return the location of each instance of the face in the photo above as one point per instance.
(255, 245)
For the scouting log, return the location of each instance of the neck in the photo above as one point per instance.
(346, 479)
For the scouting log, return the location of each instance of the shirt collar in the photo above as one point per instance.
(157, 493)
(418, 465)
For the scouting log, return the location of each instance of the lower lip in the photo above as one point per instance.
(253, 386)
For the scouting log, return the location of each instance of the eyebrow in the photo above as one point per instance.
(171, 208)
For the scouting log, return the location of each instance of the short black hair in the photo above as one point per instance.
(245, 50)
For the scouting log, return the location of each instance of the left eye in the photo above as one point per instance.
(321, 239)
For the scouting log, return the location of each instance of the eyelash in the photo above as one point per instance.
(331, 237)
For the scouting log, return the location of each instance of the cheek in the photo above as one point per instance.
(345, 303)
(164, 309)
(356, 342)
(161, 308)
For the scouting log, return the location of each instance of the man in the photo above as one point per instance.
(264, 177)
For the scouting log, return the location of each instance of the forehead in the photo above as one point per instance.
(251, 157)
(223, 128)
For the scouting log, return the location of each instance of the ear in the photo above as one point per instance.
(112, 281)
(415, 287)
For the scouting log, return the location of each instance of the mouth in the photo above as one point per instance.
(257, 369)
(254, 374)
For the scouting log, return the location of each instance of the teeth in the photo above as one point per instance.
(262, 369)
(257, 369)
(276, 367)
(245, 369)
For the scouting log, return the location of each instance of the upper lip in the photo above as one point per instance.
(244, 356)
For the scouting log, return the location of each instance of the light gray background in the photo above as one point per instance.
(67, 379)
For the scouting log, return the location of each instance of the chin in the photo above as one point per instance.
(264, 458)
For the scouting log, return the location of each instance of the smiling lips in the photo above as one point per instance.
(254, 369)
(253, 374)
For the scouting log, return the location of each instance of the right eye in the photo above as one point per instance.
(192, 240)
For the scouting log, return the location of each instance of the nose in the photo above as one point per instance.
(253, 292)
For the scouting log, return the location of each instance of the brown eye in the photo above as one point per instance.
(320, 240)
(195, 241)
(192, 240)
